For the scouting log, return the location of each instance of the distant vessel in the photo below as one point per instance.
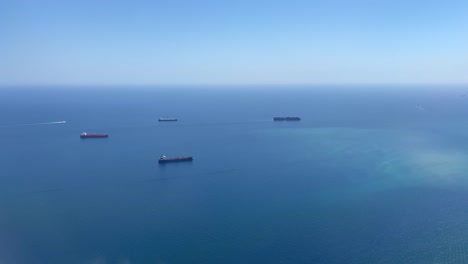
(90, 135)
(162, 119)
(164, 159)
(286, 118)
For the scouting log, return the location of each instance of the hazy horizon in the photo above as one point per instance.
(73, 43)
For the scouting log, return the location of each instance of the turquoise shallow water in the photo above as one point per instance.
(365, 177)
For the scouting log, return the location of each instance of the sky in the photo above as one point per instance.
(212, 42)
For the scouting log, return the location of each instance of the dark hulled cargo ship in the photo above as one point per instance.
(164, 159)
(286, 118)
(167, 119)
(93, 135)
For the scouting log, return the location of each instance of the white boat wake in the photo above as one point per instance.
(36, 124)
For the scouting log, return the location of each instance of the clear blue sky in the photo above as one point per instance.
(100, 42)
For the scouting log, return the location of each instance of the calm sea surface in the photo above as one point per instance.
(365, 177)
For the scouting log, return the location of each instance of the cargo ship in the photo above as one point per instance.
(286, 118)
(163, 119)
(164, 159)
(93, 135)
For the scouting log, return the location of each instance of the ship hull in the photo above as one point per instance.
(171, 160)
(94, 136)
(286, 118)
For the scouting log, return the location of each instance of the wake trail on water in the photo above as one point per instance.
(36, 124)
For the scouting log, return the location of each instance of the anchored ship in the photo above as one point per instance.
(164, 159)
(286, 118)
(162, 119)
(91, 135)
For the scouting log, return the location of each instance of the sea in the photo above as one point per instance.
(371, 174)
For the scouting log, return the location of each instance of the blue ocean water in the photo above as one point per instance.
(364, 177)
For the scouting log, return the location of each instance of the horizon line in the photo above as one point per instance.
(208, 85)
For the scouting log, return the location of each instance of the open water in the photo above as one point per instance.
(366, 176)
